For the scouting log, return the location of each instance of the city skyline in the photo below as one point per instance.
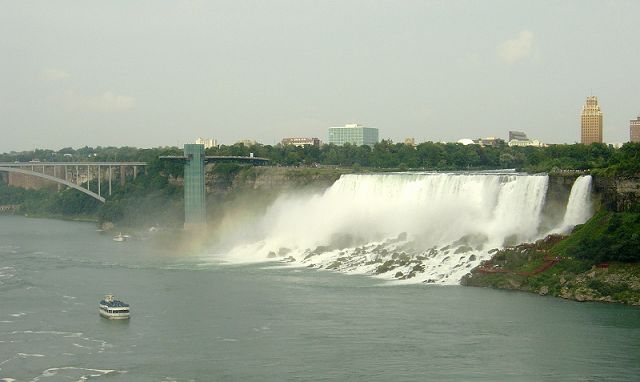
(151, 74)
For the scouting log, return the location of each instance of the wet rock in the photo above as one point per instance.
(385, 267)
(283, 251)
(320, 250)
(271, 255)
(463, 249)
(472, 258)
(513, 283)
(583, 294)
(398, 275)
(410, 275)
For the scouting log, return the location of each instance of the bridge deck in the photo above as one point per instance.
(219, 158)
(48, 164)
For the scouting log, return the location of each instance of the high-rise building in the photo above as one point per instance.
(591, 122)
(354, 134)
(634, 130)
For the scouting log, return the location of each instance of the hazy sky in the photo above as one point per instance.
(156, 73)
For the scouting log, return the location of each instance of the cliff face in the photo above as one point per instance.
(271, 178)
(618, 194)
(28, 182)
(556, 200)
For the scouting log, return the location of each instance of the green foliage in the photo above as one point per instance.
(607, 236)
(607, 289)
(155, 189)
(597, 157)
(69, 203)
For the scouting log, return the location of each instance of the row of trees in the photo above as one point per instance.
(384, 155)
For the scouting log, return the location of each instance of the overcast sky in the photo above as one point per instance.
(157, 73)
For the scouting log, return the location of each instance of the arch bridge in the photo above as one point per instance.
(74, 174)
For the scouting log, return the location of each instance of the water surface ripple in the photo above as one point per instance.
(260, 323)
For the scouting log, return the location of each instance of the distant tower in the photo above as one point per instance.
(634, 130)
(591, 122)
(194, 189)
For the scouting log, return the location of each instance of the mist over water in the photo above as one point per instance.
(428, 227)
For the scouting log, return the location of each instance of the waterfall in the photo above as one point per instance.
(579, 205)
(428, 227)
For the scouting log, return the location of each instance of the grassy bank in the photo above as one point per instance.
(599, 261)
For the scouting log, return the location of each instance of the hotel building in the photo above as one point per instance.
(591, 122)
(634, 130)
(354, 134)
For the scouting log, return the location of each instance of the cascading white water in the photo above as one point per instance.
(579, 205)
(417, 227)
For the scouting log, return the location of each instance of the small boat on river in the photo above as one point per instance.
(121, 237)
(114, 309)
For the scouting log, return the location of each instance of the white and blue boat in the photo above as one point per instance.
(114, 309)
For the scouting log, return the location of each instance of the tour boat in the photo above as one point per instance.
(113, 309)
(121, 237)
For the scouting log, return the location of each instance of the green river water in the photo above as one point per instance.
(197, 321)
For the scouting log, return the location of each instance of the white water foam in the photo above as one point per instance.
(414, 227)
(579, 208)
(71, 373)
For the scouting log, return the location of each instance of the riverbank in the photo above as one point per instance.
(597, 262)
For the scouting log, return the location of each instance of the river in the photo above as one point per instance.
(194, 320)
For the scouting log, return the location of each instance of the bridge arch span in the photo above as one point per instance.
(53, 179)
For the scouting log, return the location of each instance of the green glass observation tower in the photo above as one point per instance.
(195, 214)
(194, 160)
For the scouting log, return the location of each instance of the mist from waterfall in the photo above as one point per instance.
(427, 227)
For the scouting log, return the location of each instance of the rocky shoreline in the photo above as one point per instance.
(534, 268)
